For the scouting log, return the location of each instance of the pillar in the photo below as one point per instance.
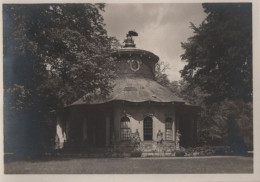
(107, 130)
(173, 130)
(116, 133)
(177, 128)
(191, 131)
(195, 135)
(67, 129)
(94, 134)
(177, 123)
(85, 130)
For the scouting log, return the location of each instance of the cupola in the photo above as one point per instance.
(133, 62)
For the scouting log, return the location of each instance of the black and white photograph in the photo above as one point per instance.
(129, 88)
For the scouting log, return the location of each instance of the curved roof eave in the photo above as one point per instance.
(136, 90)
(135, 51)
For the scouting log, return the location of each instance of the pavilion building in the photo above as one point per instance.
(137, 106)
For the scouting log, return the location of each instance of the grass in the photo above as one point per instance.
(226, 164)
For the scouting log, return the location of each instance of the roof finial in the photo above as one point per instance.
(129, 41)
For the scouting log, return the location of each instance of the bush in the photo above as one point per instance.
(220, 151)
(180, 154)
(207, 151)
(238, 146)
(136, 154)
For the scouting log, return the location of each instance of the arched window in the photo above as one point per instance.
(168, 129)
(148, 128)
(125, 132)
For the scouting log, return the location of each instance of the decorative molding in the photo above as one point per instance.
(126, 114)
(149, 114)
(135, 64)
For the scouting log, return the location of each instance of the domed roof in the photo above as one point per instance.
(134, 85)
(135, 90)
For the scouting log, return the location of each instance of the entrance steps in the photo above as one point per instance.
(147, 148)
(128, 149)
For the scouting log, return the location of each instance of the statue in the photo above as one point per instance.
(135, 138)
(132, 33)
(129, 41)
(178, 135)
(137, 133)
(159, 137)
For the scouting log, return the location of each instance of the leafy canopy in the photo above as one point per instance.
(60, 52)
(219, 55)
(218, 74)
(53, 55)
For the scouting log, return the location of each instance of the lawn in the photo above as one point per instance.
(225, 164)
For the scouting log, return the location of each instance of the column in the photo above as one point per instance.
(94, 134)
(177, 120)
(85, 130)
(107, 130)
(191, 131)
(173, 129)
(67, 129)
(116, 134)
(177, 130)
(195, 131)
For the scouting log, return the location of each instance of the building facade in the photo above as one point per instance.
(139, 113)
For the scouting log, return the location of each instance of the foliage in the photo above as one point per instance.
(207, 151)
(179, 154)
(136, 154)
(218, 74)
(226, 120)
(67, 47)
(53, 55)
(160, 75)
(219, 55)
(214, 150)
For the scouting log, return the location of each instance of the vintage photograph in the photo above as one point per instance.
(140, 88)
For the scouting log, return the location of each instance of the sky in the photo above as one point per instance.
(161, 28)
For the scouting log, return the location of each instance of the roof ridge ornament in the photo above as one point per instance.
(129, 41)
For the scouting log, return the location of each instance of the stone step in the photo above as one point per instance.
(157, 154)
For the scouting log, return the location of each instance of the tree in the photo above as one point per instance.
(219, 55)
(219, 67)
(67, 46)
(160, 75)
(53, 55)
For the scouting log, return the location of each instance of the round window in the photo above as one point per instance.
(134, 65)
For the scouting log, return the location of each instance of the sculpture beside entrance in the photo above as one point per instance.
(178, 135)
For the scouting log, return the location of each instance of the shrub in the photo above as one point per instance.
(136, 154)
(238, 146)
(180, 153)
(207, 151)
(220, 151)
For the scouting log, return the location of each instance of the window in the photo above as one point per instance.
(148, 128)
(135, 65)
(168, 129)
(125, 132)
